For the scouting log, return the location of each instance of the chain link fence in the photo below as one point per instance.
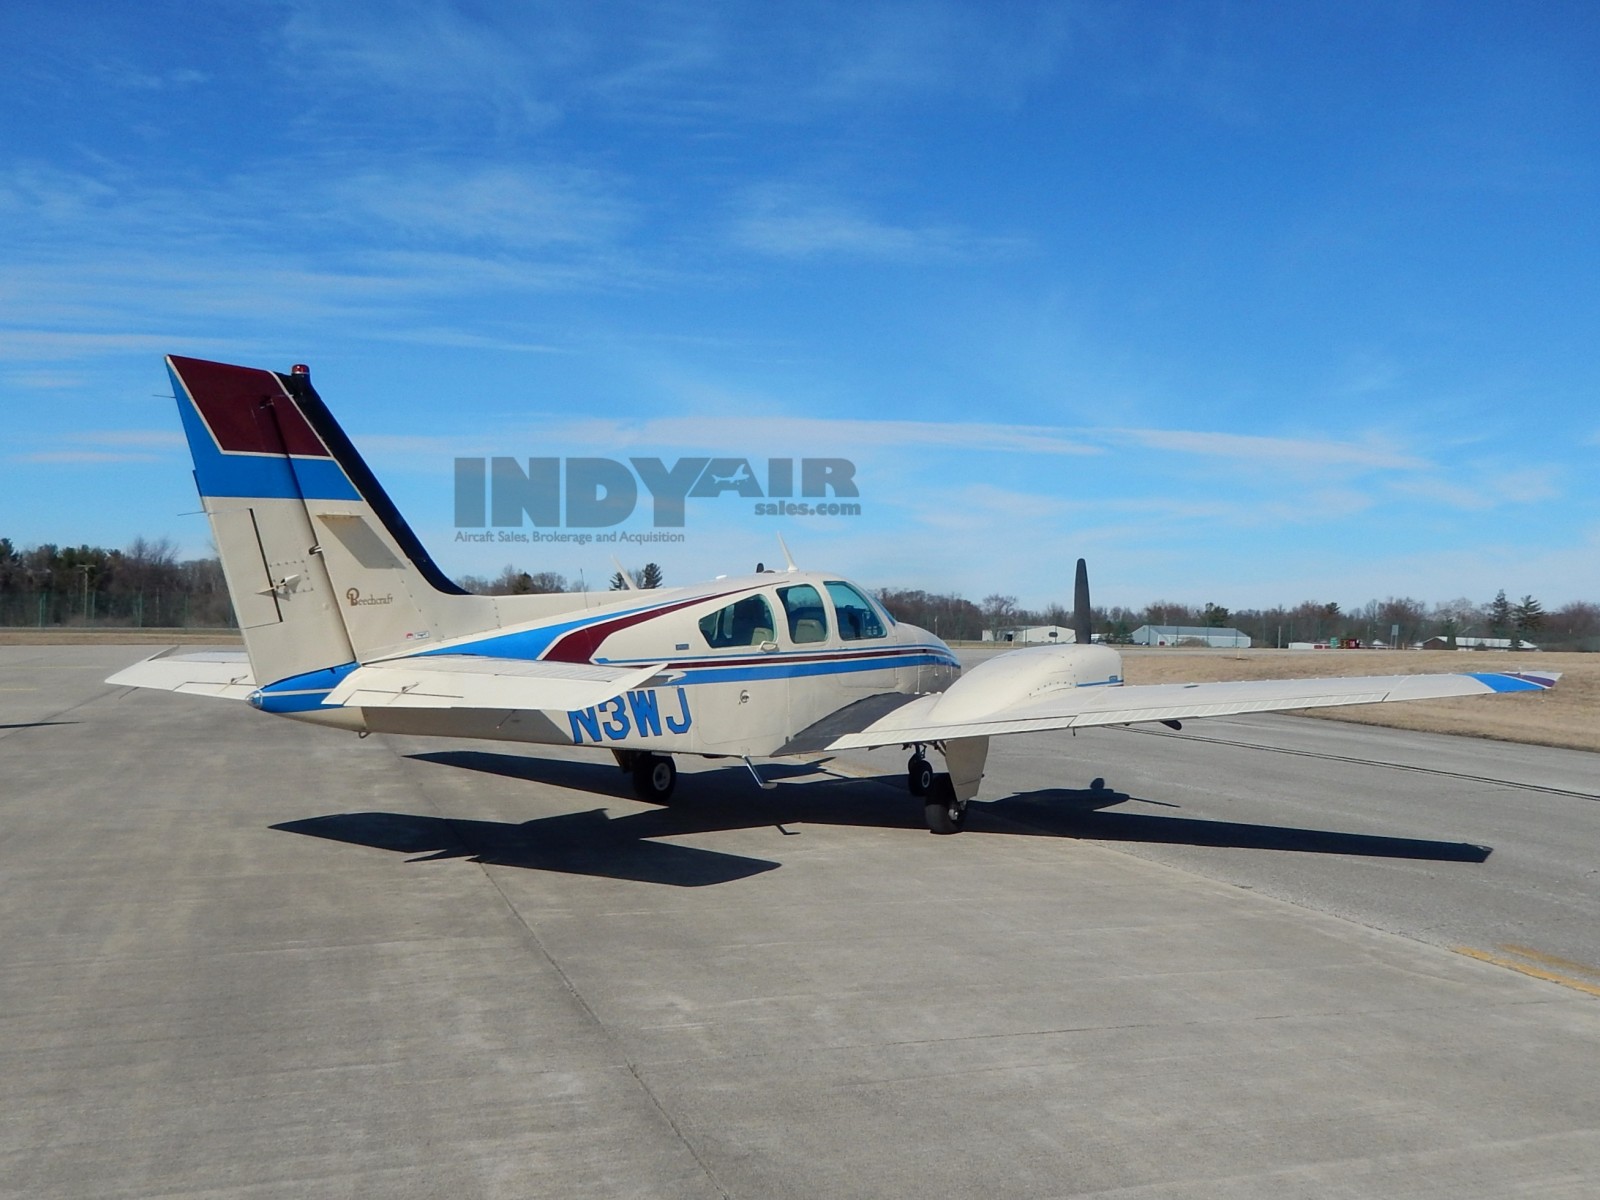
(136, 610)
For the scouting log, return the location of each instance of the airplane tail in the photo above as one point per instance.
(323, 571)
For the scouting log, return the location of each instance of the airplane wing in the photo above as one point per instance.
(473, 681)
(889, 720)
(223, 673)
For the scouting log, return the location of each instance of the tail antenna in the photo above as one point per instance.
(787, 557)
(1081, 620)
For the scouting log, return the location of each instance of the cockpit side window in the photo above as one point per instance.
(857, 618)
(746, 622)
(808, 621)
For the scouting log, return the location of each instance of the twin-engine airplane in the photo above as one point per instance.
(347, 622)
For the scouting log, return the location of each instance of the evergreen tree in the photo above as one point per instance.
(1527, 617)
(650, 577)
(1499, 614)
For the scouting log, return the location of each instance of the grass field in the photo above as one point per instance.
(1568, 715)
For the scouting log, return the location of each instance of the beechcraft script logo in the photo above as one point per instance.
(354, 596)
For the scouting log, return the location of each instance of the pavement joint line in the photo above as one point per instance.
(627, 1060)
(1500, 960)
(1365, 762)
(50, 717)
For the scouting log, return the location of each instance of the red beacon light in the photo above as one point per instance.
(300, 369)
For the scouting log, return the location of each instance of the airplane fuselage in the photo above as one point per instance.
(745, 664)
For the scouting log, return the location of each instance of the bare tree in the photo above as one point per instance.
(999, 610)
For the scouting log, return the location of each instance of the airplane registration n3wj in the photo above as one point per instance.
(347, 622)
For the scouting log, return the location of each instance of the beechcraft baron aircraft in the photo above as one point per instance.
(347, 622)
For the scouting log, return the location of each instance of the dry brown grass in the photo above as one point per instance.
(1568, 715)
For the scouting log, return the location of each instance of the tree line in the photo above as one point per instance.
(144, 585)
(1398, 620)
(147, 585)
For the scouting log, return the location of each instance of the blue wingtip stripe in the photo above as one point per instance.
(1507, 683)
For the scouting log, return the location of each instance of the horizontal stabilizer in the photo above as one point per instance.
(224, 673)
(471, 681)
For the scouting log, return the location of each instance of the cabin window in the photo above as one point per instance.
(857, 618)
(808, 622)
(746, 622)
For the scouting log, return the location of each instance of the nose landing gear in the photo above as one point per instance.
(945, 814)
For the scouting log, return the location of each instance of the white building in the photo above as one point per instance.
(1476, 643)
(1047, 635)
(1190, 635)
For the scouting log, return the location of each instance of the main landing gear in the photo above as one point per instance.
(919, 773)
(944, 813)
(654, 775)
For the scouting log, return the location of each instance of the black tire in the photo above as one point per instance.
(919, 775)
(654, 777)
(944, 812)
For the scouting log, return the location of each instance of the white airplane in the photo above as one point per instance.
(347, 622)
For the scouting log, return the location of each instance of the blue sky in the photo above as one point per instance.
(1249, 303)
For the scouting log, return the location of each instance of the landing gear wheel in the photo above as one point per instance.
(654, 777)
(945, 813)
(919, 775)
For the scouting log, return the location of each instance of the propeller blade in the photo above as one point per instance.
(1080, 605)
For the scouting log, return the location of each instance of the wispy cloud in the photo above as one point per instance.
(789, 223)
(166, 439)
(1289, 453)
(45, 345)
(750, 436)
(109, 446)
(784, 434)
(44, 381)
(498, 204)
(1479, 487)
(418, 49)
(84, 457)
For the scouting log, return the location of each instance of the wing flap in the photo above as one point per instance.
(471, 681)
(224, 674)
(1081, 707)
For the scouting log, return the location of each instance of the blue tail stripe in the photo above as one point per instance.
(256, 476)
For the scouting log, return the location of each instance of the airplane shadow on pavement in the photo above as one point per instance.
(1080, 814)
(595, 843)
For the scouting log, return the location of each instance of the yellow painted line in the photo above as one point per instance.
(1549, 960)
(1527, 969)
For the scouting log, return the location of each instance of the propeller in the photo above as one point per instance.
(1080, 605)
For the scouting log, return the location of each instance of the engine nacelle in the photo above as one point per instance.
(1020, 675)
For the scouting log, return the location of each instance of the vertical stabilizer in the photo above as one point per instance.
(322, 570)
